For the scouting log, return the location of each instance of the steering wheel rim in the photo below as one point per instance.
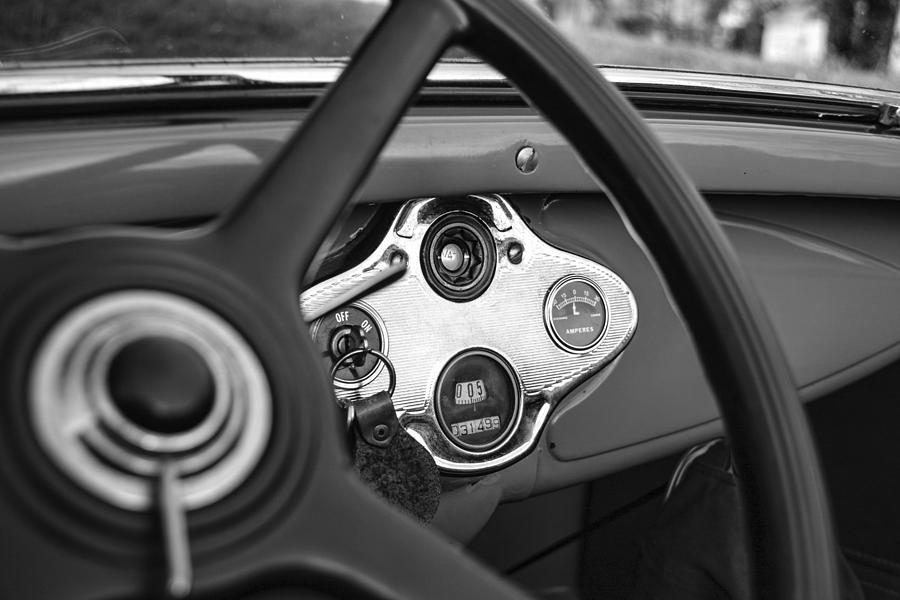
(312, 521)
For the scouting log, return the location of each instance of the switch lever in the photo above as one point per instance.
(179, 571)
(371, 279)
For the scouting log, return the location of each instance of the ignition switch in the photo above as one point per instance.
(349, 328)
(345, 340)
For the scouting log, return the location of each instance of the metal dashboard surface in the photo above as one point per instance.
(425, 330)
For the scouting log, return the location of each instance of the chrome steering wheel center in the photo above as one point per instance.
(99, 412)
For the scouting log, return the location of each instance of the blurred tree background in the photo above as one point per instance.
(858, 33)
(144, 29)
(843, 41)
(861, 32)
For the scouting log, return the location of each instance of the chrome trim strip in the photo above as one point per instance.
(105, 76)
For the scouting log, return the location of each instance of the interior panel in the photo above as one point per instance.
(157, 168)
(815, 228)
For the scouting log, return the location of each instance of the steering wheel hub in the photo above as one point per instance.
(109, 403)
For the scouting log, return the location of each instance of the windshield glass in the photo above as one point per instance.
(839, 41)
(45, 30)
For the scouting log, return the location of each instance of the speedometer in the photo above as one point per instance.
(575, 314)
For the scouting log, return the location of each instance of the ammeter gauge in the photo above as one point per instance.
(575, 314)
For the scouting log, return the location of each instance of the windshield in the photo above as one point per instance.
(852, 42)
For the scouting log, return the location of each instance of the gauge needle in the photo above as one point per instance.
(374, 277)
(575, 309)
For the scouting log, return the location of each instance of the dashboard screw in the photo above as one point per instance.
(526, 159)
(514, 253)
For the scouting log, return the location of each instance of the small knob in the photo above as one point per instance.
(161, 384)
(527, 159)
(514, 253)
(452, 257)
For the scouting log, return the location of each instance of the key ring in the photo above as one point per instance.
(392, 374)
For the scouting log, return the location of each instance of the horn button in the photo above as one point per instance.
(161, 384)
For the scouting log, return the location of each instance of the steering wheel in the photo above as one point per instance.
(291, 511)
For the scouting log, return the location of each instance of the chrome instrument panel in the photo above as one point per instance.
(427, 331)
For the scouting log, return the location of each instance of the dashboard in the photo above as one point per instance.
(524, 335)
(486, 330)
(810, 209)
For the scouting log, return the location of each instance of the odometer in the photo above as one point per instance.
(477, 401)
(469, 392)
(575, 314)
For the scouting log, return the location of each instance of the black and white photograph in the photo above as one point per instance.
(450, 299)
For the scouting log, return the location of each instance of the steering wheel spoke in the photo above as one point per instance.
(280, 223)
(343, 534)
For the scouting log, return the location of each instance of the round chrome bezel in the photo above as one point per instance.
(480, 449)
(431, 266)
(346, 384)
(548, 314)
